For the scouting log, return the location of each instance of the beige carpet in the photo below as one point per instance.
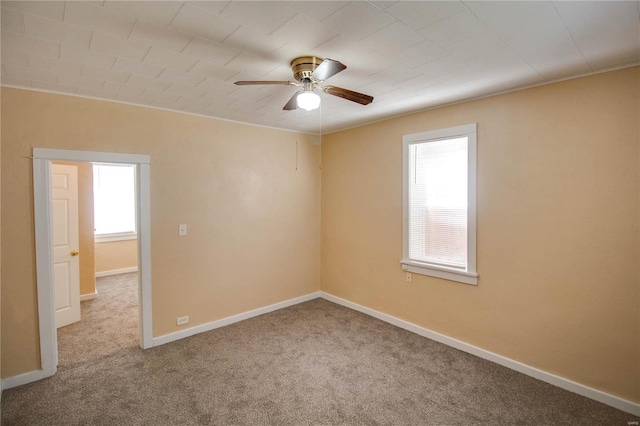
(316, 363)
(109, 323)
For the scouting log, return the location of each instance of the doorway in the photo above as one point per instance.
(42, 159)
(95, 260)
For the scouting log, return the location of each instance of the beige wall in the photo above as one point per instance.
(0, 245)
(85, 226)
(254, 236)
(558, 209)
(116, 255)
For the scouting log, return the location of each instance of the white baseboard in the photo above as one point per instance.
(23, 379)
(116, 272)
(171, 337)
(561, 382)
(89, 296)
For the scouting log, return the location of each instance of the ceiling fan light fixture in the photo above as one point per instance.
(308, 101)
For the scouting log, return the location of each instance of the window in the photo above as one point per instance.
(114, 202)
(439, 203)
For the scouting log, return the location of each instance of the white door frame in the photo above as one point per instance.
(42, 158)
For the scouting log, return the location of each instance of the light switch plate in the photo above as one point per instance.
(182, 229)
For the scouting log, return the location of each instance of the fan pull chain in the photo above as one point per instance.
(320, 112)
(297, 136)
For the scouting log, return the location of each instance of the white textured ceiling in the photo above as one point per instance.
(409, 55)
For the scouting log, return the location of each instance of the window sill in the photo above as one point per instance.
(440, 272)
(107, 238)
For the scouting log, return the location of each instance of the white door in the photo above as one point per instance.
(66, 259)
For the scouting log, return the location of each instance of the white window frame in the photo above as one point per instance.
(118, 236)
(466, 275)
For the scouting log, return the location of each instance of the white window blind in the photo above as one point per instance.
(438, 202)
(114, 199)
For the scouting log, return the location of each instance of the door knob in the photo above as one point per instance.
(74, 253)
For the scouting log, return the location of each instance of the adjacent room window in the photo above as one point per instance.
(439, 203)
(114, 202)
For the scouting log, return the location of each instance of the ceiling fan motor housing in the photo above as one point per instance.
(304, 66)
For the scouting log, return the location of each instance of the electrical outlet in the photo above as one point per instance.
(182, 320)
(182, 229)
(408, 277)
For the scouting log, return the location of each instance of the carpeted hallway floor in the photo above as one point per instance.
(314, 363)
(109, 322)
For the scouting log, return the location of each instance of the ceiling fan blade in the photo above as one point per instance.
(328, 68)
(253, 83)
(349, 95)
(293, 102)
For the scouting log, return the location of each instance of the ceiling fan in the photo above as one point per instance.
(309, 72)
